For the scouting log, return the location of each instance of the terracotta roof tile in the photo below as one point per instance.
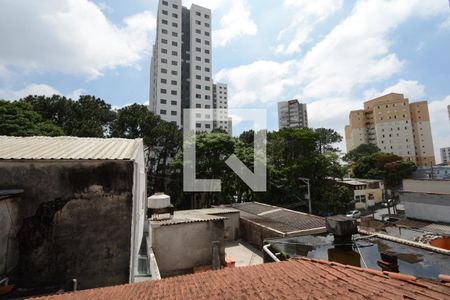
(294, 279)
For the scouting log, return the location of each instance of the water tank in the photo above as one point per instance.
(158, 201)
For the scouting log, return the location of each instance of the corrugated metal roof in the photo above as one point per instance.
(65, 147)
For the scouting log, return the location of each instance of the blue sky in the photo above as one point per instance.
(331, 54)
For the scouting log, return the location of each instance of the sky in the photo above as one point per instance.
(331, 54)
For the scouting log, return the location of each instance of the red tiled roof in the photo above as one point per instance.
(294, 279)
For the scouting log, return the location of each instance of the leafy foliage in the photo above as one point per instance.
(360, 152)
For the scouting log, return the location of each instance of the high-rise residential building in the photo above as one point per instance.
(220, 104)
(292, 114)
(181, 63)
(394, 125)
(445, 155)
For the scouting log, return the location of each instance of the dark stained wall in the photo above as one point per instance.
(74, 221)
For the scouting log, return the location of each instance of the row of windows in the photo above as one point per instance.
(173, 82)
(199, 41)
(198, 58)
(164, 41)
(164, 91)
(198, 105)
(165, 3)
(198, 96)
(199, 68)
(164, 61)
(198, 49)
(164, 51)
(198, 77)
(164, 71)
(198, 31)
(165, 22)
(164, 112)
(166, 13)
(164, 101)
(198, 14)
(199, 87)
(165, 31)
(198, 22)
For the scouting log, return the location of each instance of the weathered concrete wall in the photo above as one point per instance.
(9, 246)
(255, 234)
(74, 219)
(427, 186)
(181, 247)
(427, 207)
(231, 225)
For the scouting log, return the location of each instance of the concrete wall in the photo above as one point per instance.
(255, 234)
(231, 225)
(427, 207)
(181, 247)
(74, 221)
(9, 246)
(427, 186)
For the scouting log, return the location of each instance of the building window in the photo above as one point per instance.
(207, 79)
(174, 72)
(174, 63)
(198, 40)
(164, 71)
(163, 80)
(173, 102)
(206, 51)
(164, 61)
(175, 15)
(198, 31)
(207, 88)
(198, 22)
(173, 113)
(198, 58)
(163, 91)
(174, 44)
(174, 24)
(207, 25)
(198, 77)
(198, 96)
(198, 68)
(165, 3)
(207, 69)
(198, 105)
(162, 111)
(164, 41)
(173, 82)
(198, 14)
(175, 6)
(207, 97)
(207, 43)
(207, 126)
(174, 93)
(207, 60)
(198, 49)
(174, 53)
(165, 22)
(163, 50)
(174, 34)
(163, 101)
(164, 12)
(164, 31)
(207, 33)
(198, 86)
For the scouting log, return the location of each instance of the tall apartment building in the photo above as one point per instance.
(220, 104)
(394, 125)
(181, 63)
(445, 155)
(292, 114)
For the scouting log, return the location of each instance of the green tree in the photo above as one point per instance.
(361, 151)
(19, 119)
(326, 139)
(386, 166)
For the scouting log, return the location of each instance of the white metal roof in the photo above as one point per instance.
(65, 147)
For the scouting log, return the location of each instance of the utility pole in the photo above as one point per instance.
(306, 180)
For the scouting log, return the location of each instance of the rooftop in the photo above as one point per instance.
(294, 279)
(279, 219)
(196, 215)
(67, 148)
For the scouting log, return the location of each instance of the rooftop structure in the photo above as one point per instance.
(394, 125)
(260, 221)
(67, 148)
(81, 213)
(294, 279)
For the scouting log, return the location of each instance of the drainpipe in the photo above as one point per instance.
(266, 249)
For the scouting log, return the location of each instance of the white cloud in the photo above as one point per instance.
(440, 124)
(70, 36)
(410, 88)
(261, 81)
(308, 15)
(37, 89)
(235, 23)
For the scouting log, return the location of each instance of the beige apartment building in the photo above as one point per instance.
(395, 126)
